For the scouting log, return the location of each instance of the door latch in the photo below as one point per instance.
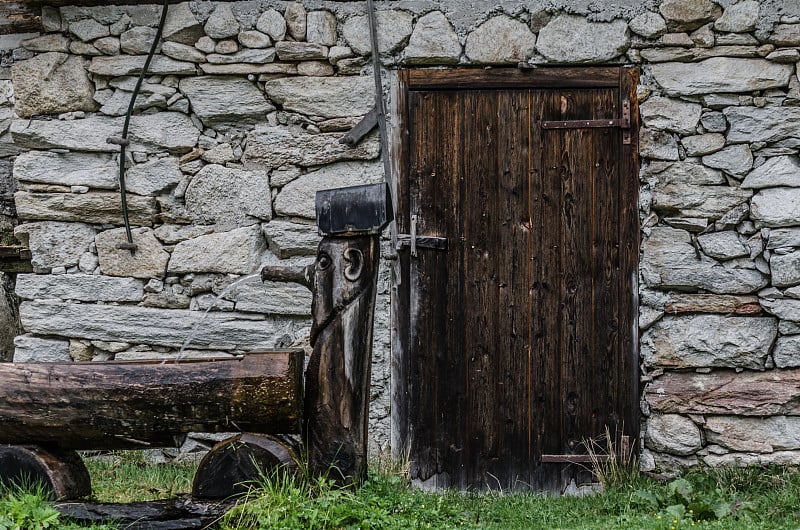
(414, 241)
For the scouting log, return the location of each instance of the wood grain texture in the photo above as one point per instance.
(61, 473)
(127, 404)
(19, 17)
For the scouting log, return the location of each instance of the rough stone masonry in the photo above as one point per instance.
(238, 125)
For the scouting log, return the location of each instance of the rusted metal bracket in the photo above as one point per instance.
(413, 241)
(361, 129)
(623, 123)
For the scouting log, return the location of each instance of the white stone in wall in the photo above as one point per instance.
(574, 39)
(699, 341)
(736, 160)
(170, 131)
(329, 97)
(171, 234)
(703, 144)
(785, 35)
(321, 28)
(93, 207)
(658, 145)
(685, 172)
(219, 154)
(277, 69)
(51, 83)
(686, 200)
(787, 352)
(721, 74)
(785, 269)
(683, 15)
(394, 29)
(67, 169)
(298, 197)
(776, 171)
(315, 68)
(55, 244)
(52, 42)
(785, 308)
(784, 237)
(229, 197)
(776, 207)
(107, 45)
(296, 23)
(669, 261)
(149, 260)
(648, 24)
(79, 287)
(182, 52)
(117, 104)
(120, 65)
(500, 40)
(217, 99)
(157, 327)
(287, 238)
(300, 51)
(723, 245)
(433, 41)
(222, 23)
(28, 348)
(254, 39)
(181, 25)
(137, 40)
(247, 56)
(273, 24)
(88, 29)
(758, 435)
(278, 298)
(154, 177)
(728, 460)
(236, 252)
(740, 17)
(670, 114)
(673, 434)
(274, 147)
(768, 124)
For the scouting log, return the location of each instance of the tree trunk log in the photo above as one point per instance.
(235, 465)
(145, 404)
(61, 473)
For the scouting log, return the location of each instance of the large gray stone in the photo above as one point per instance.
(787, 352)
(785, 269)
(329, 97)
(181, 25)
(297, 198)
(67, 169)
(321, 28)
(222, 23)
(28, 348)
(776, 206)
(702, 341)
(670, 114)
(217, 99)
(734, 159)
(648, 24)
(287, 238)
(723, 245)
(254, 39)
(658, 145)
(52, 42)
(721, 74)
(274, 147)
(740, 17)
(236, 252)
(120, 65)
(669, 261)
(784, 308)
(272, 298)
(54, 244)
(170, 131)
(93, 207)
(685, 172)
(434, 41)
(158, 327)
(229, 197)
(785, 35)
(687, 200)
(154, 177)
(673, 434)
(703, 144)
(137, 40)
(683, 15)
(182, 52)
(500, 40)
(777, 171)
(273, 24)
(756, 435)
(296, 20)
(171, 234)
(88, 29)
(394, 29)
(149, 260)
(117, 104)
(300, 51)
(51, 83)
(246, 56)
(768, 124)
(79, 287)
(574, 39)
(784, 237)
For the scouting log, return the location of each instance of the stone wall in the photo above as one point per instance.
(239, 124)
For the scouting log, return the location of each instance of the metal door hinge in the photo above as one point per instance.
(623, 123)
(413, 241)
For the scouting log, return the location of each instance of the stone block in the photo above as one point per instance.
(218, 99)
(776, 171)
(756, 435)
(67, 169)
(120, 65)
(30, 349)
(273, 24)
(229, 197)
(394, 29)
(222, 23)
(52, 83)
(182, 52)
(575, 39)
(648, 24)
(296, 23)
(500, 40)
(254, 39)
(138, 40)
(433, 41)
(736, 160)
(300, 51)
(673, 434)
(92, 207)
(670, 114)
(247, 56)
(328, 97)
(785, 309)
(787, 352)
(683, 15)
(148, 261)
(287, 239)
(784, 237)
(720, 74)
(723, 245)
(785, 269)
(321, 28)
(52, 42)
(181, 25)
(768, 124)
(686, 200)
(236, 252)
(703, 144)
(740, 17)
(776, 207)
(658, 145)
(78, 287)
(153, 177)
(55, 244)
(684, 172)
(271, 298)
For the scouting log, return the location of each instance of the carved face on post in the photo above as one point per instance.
(338, 277)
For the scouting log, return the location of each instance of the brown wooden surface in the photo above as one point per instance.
(506, 78)
(519, 337)
(18, 16)
(130, 404)
(60, 473)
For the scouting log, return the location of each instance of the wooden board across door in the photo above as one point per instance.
(518, 340)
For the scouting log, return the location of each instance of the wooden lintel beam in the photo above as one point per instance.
(19, 17)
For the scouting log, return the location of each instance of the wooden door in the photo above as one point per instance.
(514, 324)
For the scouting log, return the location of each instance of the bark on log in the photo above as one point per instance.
(141, 404)
(233, 466)
(177, 514)
(61, 473)
(19, 17)
(727, 392)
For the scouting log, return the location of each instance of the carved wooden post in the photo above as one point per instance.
(344, 282)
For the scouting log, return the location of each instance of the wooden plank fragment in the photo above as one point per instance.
(19, 17)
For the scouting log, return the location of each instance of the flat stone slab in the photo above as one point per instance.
(93, 207)
(721, 74)
(329, 97)
(67, 169)
(79, 287)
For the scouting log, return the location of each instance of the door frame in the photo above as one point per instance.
(406, 80)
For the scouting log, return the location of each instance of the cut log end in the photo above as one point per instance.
(60, 473)
(236, 465)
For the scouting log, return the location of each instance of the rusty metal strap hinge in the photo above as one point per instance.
(414, 241)
(623, 123)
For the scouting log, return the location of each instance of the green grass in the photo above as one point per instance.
(27, 507)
